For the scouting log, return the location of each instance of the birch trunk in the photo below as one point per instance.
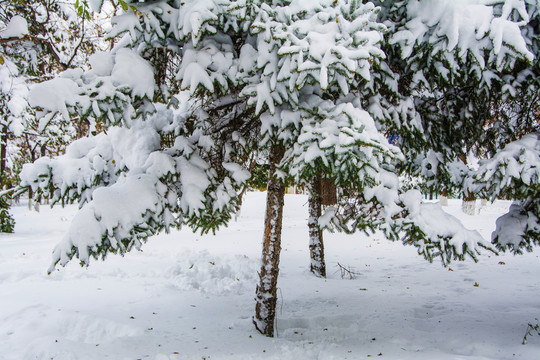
(3, 155)
(468, 204)
(316, 245)
(444, 198)
(266, 292)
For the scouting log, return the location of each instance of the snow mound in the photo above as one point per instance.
(39, 326)
(91, 330)
(208, 273)
(17, 27)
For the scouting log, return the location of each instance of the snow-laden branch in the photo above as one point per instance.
(339, 139)
(16, 28)
(405, 217)
(118, 88)
(133, 185)
(471, 28)
(514, 172)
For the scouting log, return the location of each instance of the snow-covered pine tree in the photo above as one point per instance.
(12, 91)
(251, 87)
(314, 59)
(300, 83)
(163, 157)
(447, 64)
(459, 61)
(469, 68)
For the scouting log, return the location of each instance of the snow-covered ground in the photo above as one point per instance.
(188, 296)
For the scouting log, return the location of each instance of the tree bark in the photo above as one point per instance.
(444, 198)
(316, 245)
(468, 203)
(3, 155)
(266, 292)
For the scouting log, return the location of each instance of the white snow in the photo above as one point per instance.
(53, 95)
(188, 296)
(102, 63)
(466, 25)
(95, 5)
(17, 27)
(133, 71)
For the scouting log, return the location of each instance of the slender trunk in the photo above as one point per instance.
(316, 245)
(266, 292)
(444, 198)
(30, 196)
(468, 204)
(3, 155)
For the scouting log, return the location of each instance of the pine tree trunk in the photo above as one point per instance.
(30, 196)
(468, 204)
(316, 245)
(444, 198)
(266, 292)
(3, 155)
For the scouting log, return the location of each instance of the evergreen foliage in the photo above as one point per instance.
(7, 223)
(329, 81)
(194, 90)
(38, 39)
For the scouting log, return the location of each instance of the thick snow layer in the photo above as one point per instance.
(95, 5)
(54, 95)
(17, 27)
(470, 26)
(133, 71)
(188, 296)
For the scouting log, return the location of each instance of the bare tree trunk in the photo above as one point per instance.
(30, 196)
(3, 155)
(316, 245)
(444, 198)
(266, 292)
(468, 204)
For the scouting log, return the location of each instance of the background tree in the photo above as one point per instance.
(40, 39)
(448, 67)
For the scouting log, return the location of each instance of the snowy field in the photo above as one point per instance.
(188, 296)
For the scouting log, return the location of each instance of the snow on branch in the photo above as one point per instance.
(330, 45)
(118, 88)
(16, 28)
(336, 139)
(133, 185)
(118, 218)
(405, 217)
(90, 163)
(513, 172)
(471, 27)
(435, 233)
(520, 228)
